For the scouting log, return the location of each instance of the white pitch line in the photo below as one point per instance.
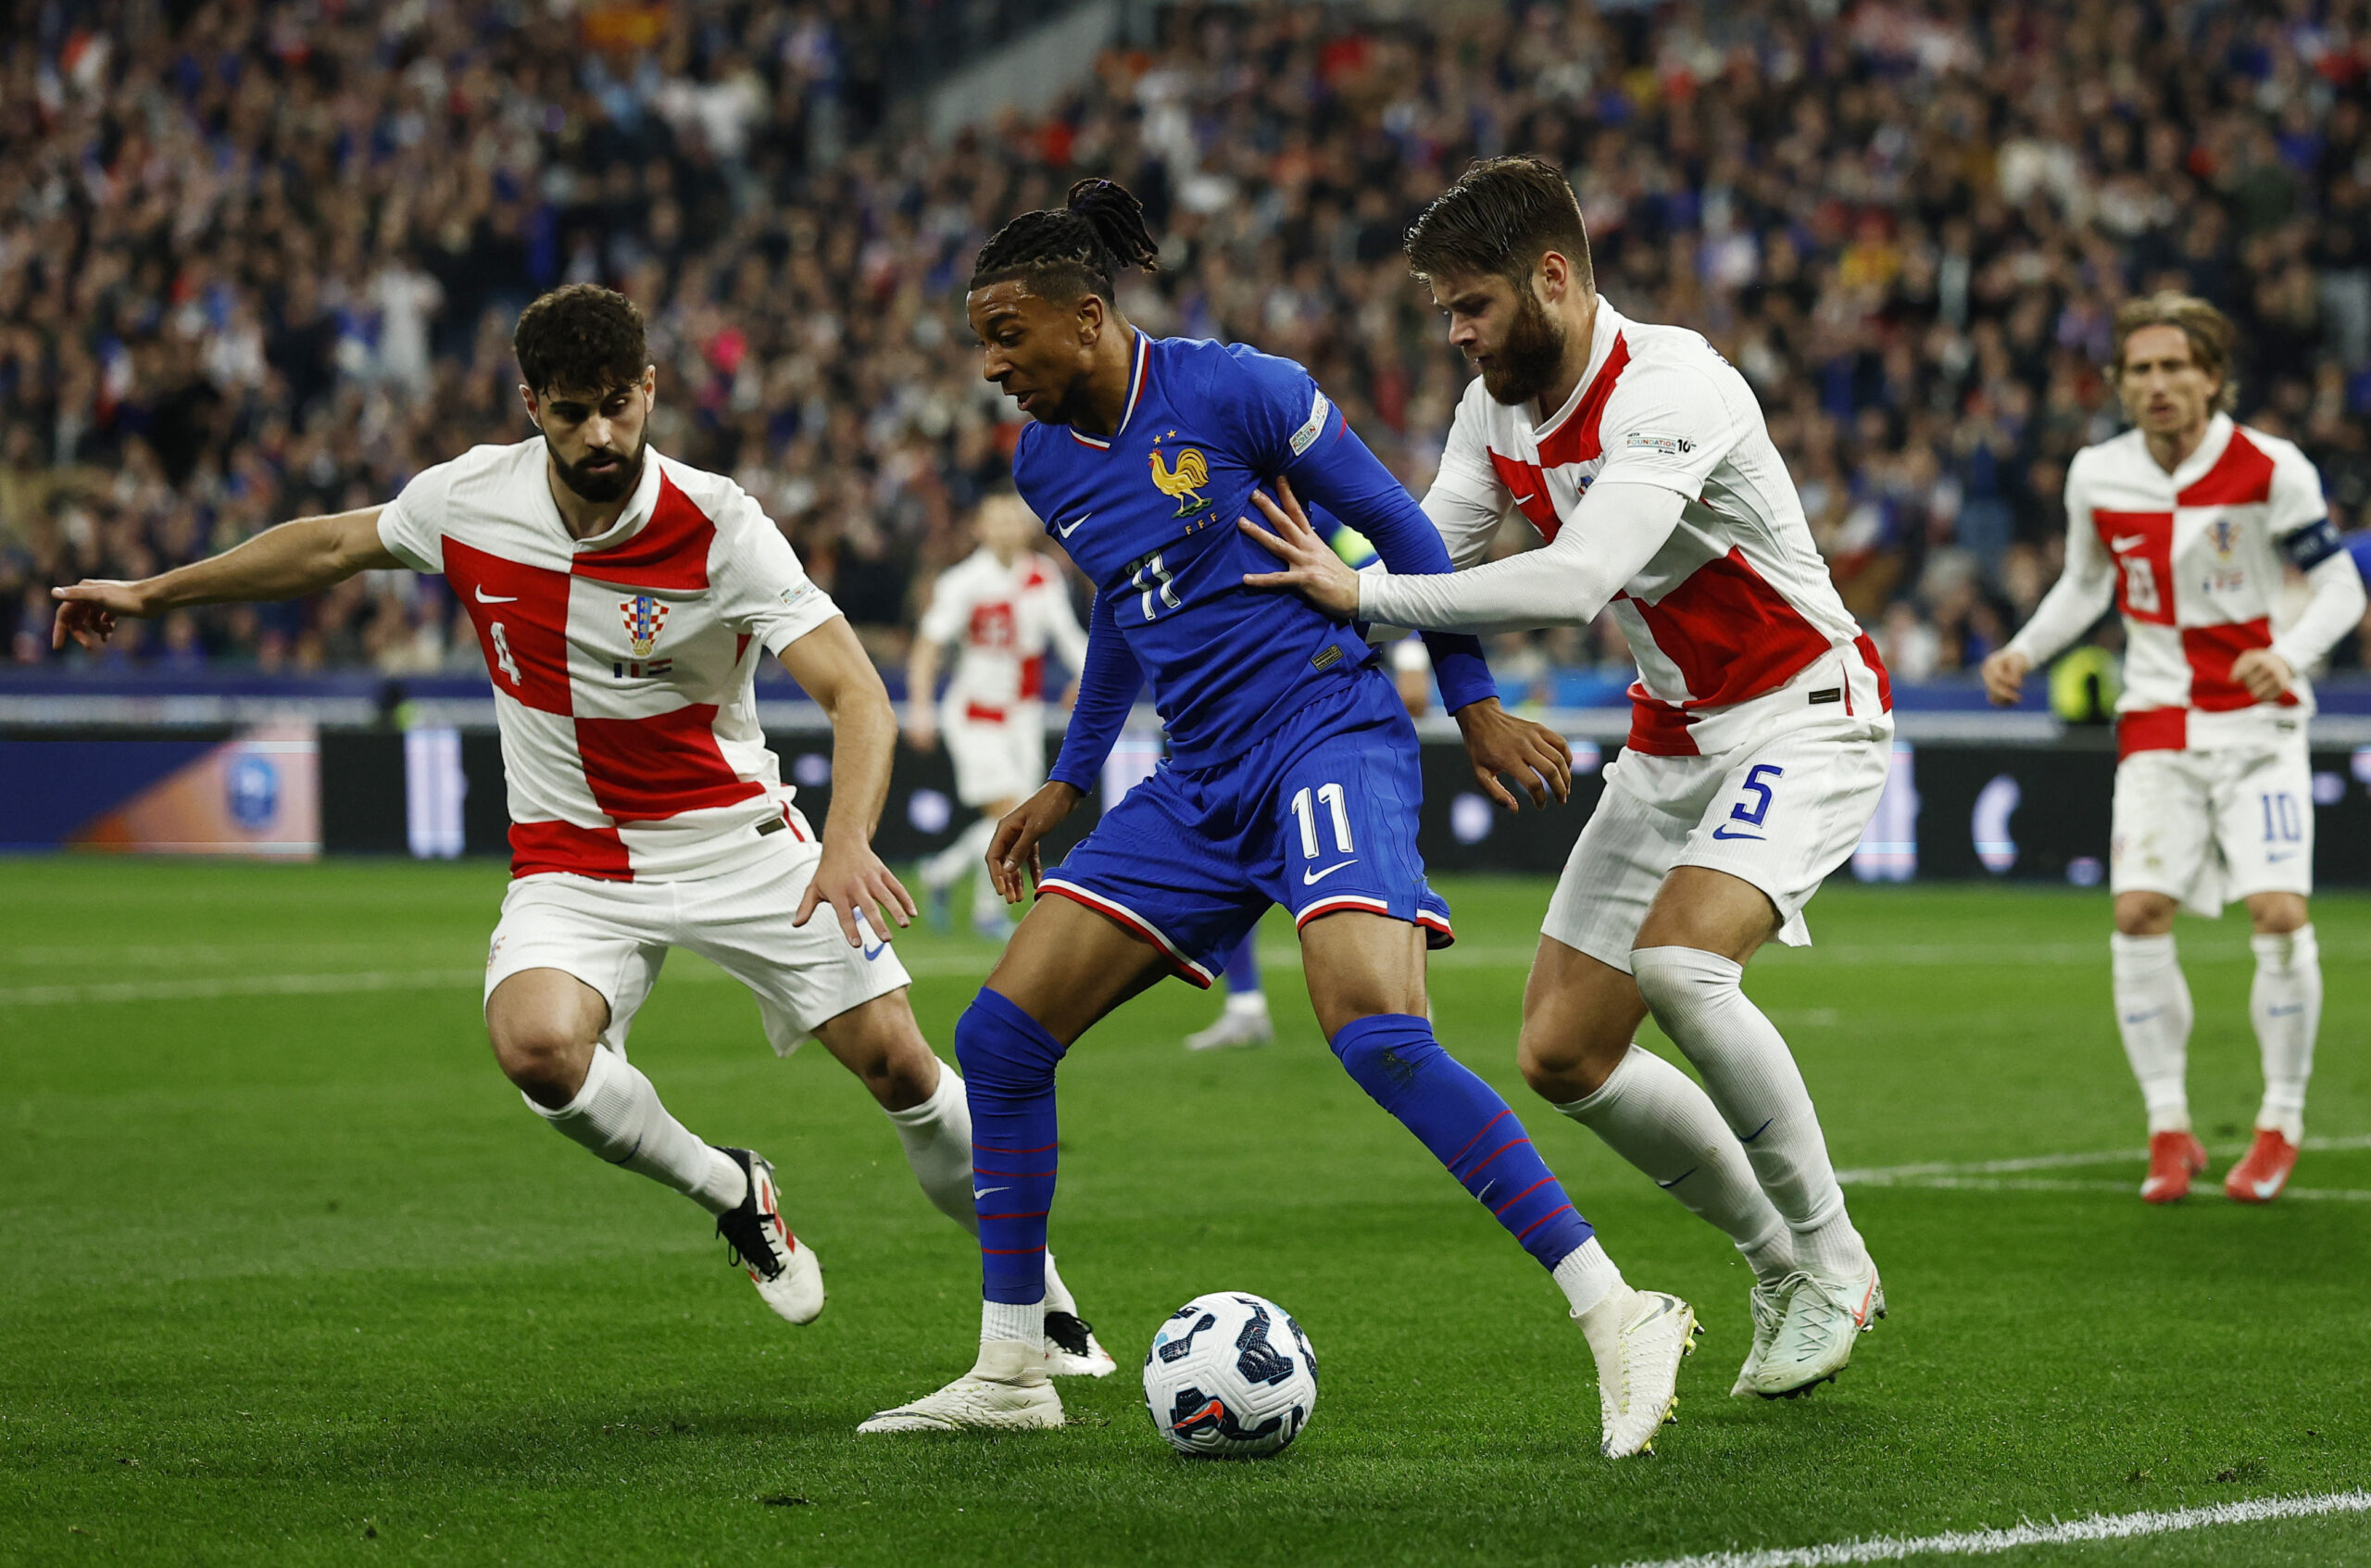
(1886, 1175)
(1983, 1543)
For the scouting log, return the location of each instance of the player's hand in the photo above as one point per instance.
(87, 611)
(1533, 754)
(2264, 673)
(1311, 569)
(1014, 862)
(851, 879)
(2004, 676)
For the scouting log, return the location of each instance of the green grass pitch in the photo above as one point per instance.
(288, 1276)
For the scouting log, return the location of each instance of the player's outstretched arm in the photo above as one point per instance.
(921, 693)
(830, 666)
(1498, 742)
(286, 562)
(2081, 595)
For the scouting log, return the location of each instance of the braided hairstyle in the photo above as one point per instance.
(1075, 249)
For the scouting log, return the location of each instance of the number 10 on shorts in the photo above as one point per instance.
(1330, 797)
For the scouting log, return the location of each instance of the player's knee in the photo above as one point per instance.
(1565, 1059)
(999, 1047)
(547, 1064)
(1679, 980)
(2277, 914)
(2144, 914)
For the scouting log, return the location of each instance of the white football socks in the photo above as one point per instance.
(1587, 1276)
(1012, 1321)
(617, 1115)
(937, 1135)
(2286, 1005)
(1655, 1116)
(1751, 1076)
(2154, 1014)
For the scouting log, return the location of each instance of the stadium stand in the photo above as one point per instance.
(258, 260)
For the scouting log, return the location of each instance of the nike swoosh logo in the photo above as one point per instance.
(1311, 878)
(1757, 1132)
(1723, 832)
(2275, 860)
(2127, 542)
(1525, 500)
(2266, 1188)
(1064, 533)
(2284, 1013)
(486, 598)
(1683, 1174)
(979, 1193)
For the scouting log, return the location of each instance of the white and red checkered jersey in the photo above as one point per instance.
(1003, 618)
(622, 664)
(2193, 561)
(1733, 620)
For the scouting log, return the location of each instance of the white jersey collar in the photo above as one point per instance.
(2217, 440)
(1604, 332)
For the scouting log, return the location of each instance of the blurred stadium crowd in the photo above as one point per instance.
(261, 259)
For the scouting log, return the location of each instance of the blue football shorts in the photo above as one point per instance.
(1319, 817)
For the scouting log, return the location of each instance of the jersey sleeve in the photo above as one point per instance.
(1108, 680)
(1468, 500)
(762, 589)
(2299, 517)
(2084, 589)
(1277, 410)
(412, 525)
(1665, 424)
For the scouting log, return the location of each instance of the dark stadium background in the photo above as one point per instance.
(262, 260)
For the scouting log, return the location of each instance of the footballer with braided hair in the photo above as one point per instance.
(1292, 779)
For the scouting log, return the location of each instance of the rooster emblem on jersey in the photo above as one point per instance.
(644, 617)
(1184, 482)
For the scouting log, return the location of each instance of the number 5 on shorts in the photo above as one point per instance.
(1755, 786)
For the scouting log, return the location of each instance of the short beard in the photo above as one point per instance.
(603, 488)
(1526, 363)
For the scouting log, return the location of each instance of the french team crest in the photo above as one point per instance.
(1184, 482)
(645, 619)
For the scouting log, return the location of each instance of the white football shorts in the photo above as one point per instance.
(2207, 827)
(1780, 813)
(997, 759)
(613, 937)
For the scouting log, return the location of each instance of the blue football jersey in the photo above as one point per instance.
(1150, 515)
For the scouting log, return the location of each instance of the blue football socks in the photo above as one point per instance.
(1243, 966)
(1008, 1061)
(1463, 1121)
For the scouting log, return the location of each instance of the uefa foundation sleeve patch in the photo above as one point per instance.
(1314, 427)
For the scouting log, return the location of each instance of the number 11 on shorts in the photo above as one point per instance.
(1330, 795)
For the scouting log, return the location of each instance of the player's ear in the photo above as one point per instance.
(1090, 318)
(1552, 278)
(535, 410)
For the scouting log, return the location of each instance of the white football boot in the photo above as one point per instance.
(1236, 1028)
(1072, 1350)
(1007, 1390)
(1768, 1303)
(1639, 1338)
(788, 1275)
(1825, 1314)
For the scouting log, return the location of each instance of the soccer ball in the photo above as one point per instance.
(1230, 1376)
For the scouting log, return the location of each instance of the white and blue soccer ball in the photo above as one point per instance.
(1230, 1376)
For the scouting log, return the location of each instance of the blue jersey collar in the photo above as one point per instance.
(1136, 374)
